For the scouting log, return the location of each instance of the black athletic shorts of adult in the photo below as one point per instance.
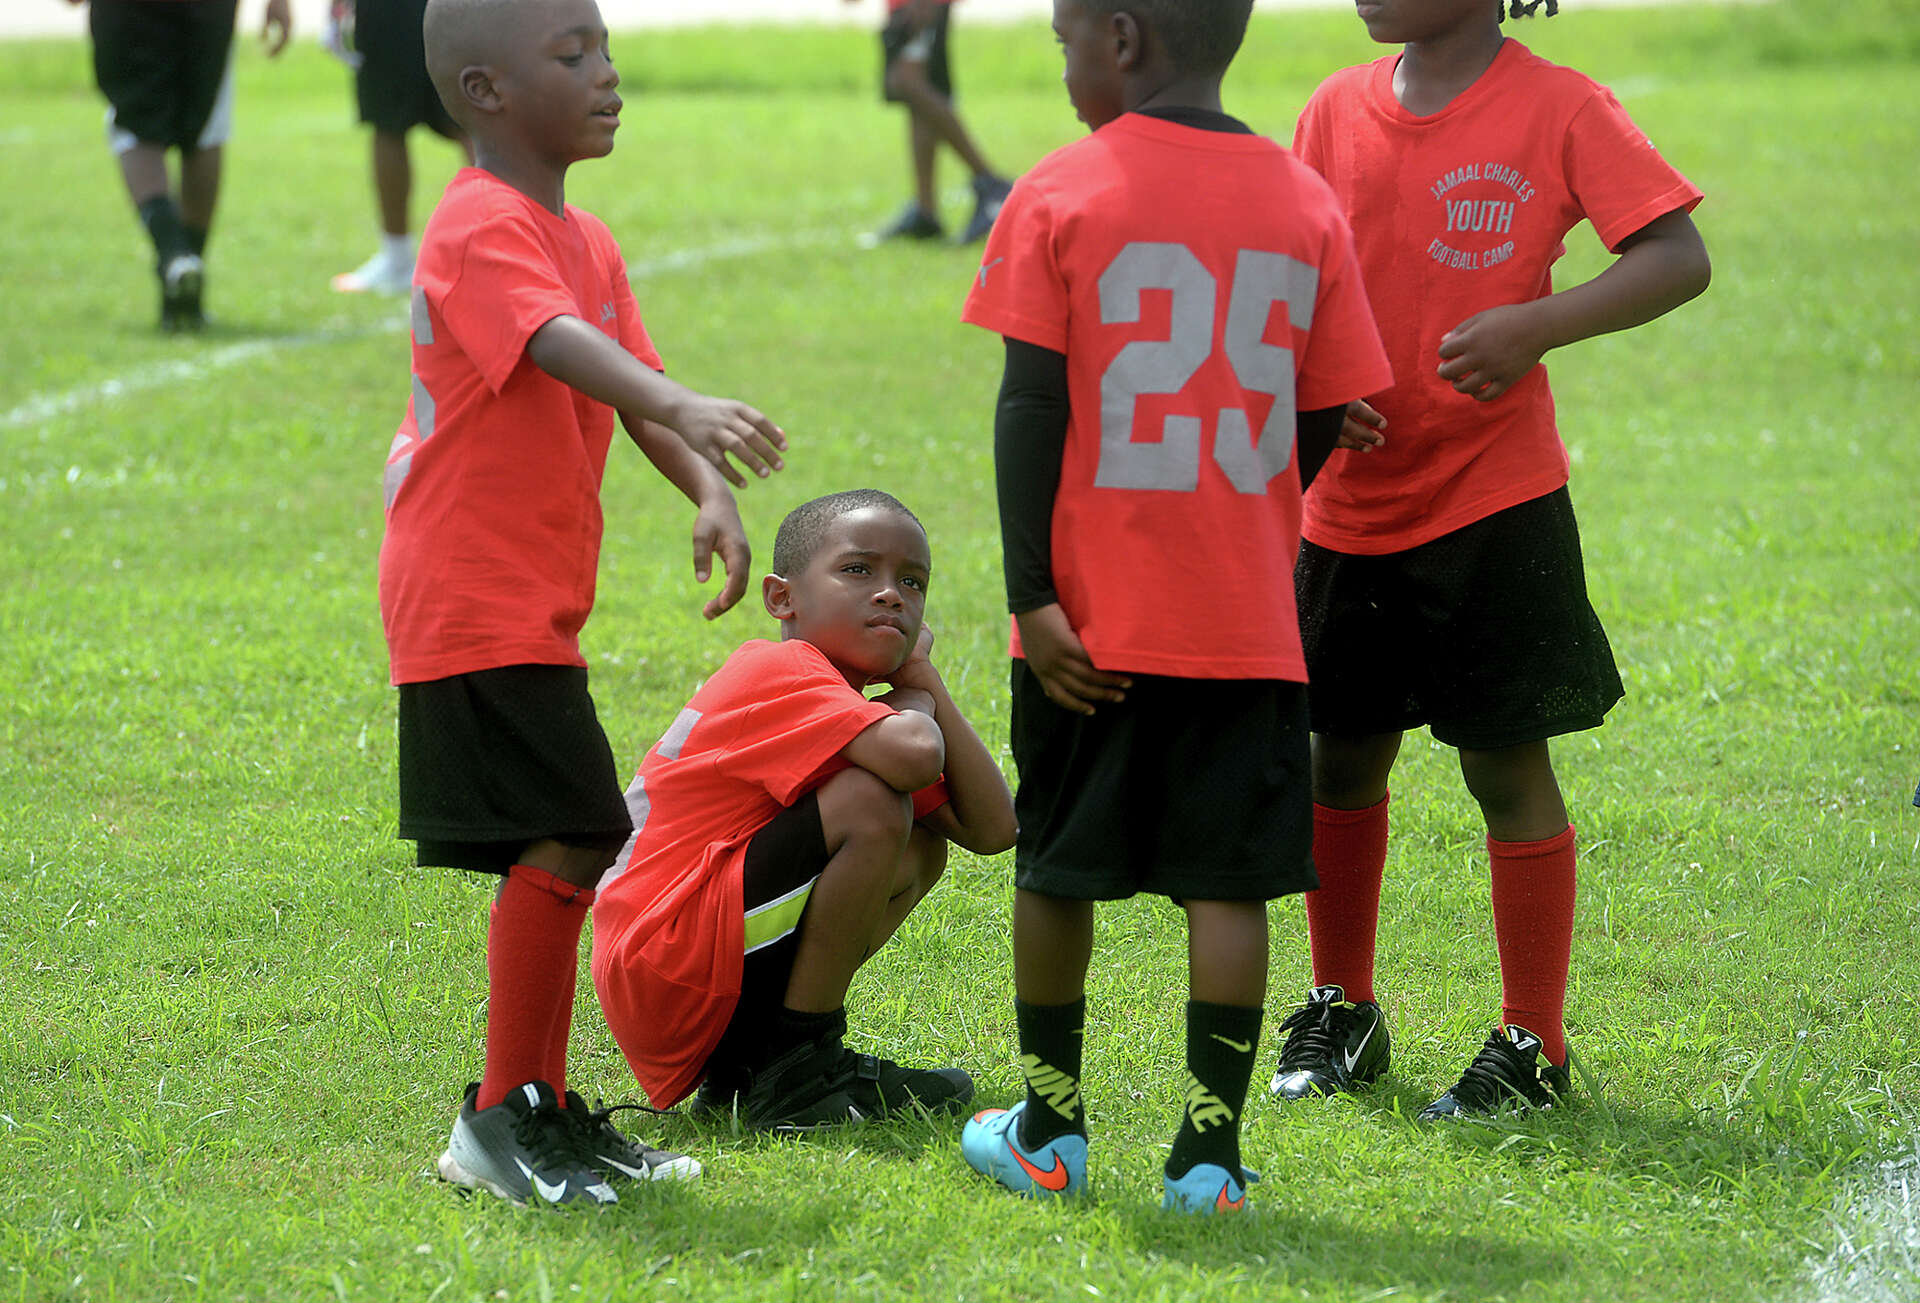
(898, 34)
(161, 65)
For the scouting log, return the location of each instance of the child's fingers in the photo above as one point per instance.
(758, 451)
(718, 456)
(767, 430)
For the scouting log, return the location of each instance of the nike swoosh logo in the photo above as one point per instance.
(1054, 1178)
(1223, 1204)
(1353, 1055)
(637, 1173)
(1238, 1047)
(551, 1193)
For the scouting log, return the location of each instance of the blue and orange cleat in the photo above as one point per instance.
(990, 1142)
(1208, 1188)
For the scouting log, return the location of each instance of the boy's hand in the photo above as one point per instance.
(1361, 430)
(276, 27)
(717, 428)
(1488, 353)
(1055, 653)
(917, 669)
(717, 529)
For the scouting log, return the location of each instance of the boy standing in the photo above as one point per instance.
(526, 342)
(915, 72)
(1184, 327)
(1441, 582)
(785, 826)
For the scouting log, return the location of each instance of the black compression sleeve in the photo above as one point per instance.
(1317, 431)
(1029, 439)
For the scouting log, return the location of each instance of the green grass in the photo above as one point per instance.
(240, 1018)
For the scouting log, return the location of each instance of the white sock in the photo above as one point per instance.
(397, 249)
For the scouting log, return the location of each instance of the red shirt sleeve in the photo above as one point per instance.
(1019, 290)
(1616, 175)
(506, 288)
(1343, 358)
(632, 333)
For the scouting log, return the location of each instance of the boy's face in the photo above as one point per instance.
(862, 597)
(1398, 22)
(558, 81)
(1092, 71)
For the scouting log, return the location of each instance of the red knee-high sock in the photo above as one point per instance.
(533, 949)
(556, 1073)
(1350, 855)
(1533, 926)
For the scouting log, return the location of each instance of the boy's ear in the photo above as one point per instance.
(776, 594)
(1124, 30)
(477, 88)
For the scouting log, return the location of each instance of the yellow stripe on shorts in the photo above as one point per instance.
(777, 918)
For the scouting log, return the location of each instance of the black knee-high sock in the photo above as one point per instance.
(161, 216)
(1222, 1044)
(196, 239)
(1050, 1039)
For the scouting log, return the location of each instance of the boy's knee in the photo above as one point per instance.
(583, 866)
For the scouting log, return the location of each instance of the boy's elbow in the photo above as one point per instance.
(999, 836)
(1702, 273)
(921, 758)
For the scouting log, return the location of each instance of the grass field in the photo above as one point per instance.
(240, 1019)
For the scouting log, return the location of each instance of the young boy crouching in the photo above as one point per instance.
(785, 825)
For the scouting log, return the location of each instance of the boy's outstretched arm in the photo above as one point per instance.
(716, 526)
(978, 814)
(1661, 266)
(577, 354)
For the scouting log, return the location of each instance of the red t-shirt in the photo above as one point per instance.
(1203, 287)
(1453, 214)
(668, 926)
(493, 481)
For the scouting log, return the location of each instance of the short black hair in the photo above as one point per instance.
(1201, 36)
(800, 533)
(1524, 8)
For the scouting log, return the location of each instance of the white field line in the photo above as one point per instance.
(42, 408)
(1876, 1223)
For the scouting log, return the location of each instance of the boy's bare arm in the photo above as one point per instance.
(716, 525)
(1660, 266)
(978, 814)
(906, 750)
(577, 354)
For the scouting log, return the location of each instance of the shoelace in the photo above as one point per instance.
(1496, 1075)
(597, 1131)
(1310, 1042)
(553, 1136)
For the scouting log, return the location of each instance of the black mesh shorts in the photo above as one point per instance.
(391, 85)
(899, 41)
(1484, 635)
(160, 65)
(783, 861)
(1194, 789)
(494, 760)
